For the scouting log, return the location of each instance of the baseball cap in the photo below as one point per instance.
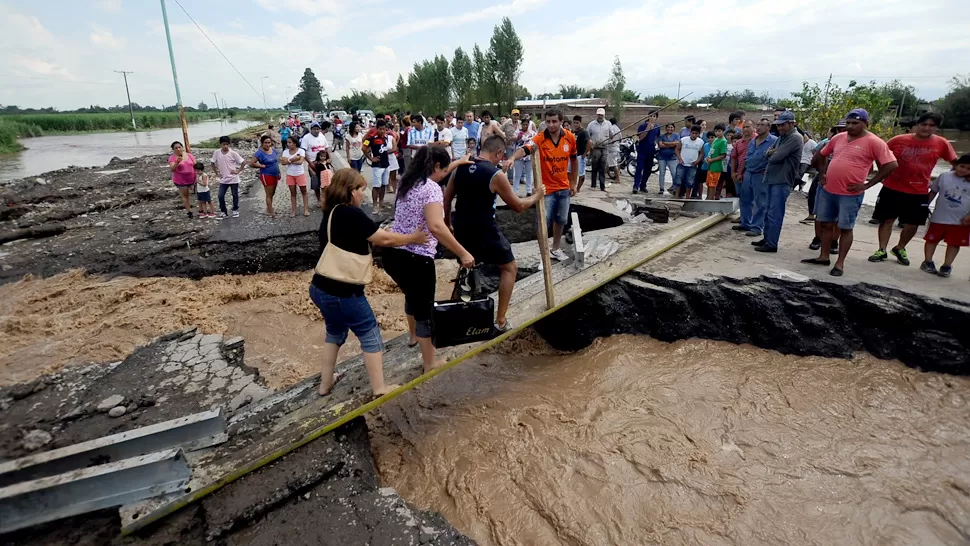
(859, 114)
(515, 110)
(840, 123)
(600, 111)
(314, 124)
(784, 117)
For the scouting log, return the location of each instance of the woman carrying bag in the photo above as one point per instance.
(419, 208)
(345, 266)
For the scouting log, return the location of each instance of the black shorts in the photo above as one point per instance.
(911, 208)
(487, 244)
(416, 276)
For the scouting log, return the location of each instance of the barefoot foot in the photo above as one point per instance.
(385, 390)
(325, 389)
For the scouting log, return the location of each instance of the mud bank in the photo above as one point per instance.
(793, 317)
(326, 491)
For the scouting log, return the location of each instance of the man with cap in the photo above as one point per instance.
(781, 174)
(599, 135)
(842, 180)
(313, 142)
(754, 192)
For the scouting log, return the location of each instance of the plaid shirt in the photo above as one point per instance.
(739, 153)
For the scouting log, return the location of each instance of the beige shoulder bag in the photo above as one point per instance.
(341, 265)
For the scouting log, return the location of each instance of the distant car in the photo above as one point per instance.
(342, 115)
(305, 117)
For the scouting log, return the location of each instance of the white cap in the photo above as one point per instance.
(600, 111)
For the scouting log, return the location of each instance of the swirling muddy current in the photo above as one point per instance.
(637, 441)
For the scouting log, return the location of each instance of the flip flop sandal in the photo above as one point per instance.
(412, 345)
(836, 272)
(816, 261)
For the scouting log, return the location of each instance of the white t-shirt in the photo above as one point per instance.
(808, 150)
(459, 138)
(356, 144)
(294, 169)
(445, 135)
(690, 150)
(199, 188)
(313, 144)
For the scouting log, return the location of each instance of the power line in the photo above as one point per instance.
(217, 48)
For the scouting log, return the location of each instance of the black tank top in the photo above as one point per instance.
(475, 201)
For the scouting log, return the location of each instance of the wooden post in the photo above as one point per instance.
(543, 235)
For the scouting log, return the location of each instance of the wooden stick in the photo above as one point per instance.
(543, 236)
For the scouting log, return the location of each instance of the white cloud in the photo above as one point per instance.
(104, 38)
(109, 5)
(307, 8)
(450, 22)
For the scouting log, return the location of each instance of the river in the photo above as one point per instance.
(96, 149)
(637, 441)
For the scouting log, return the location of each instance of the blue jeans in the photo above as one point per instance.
(351, 313)
(665, 165)
(557, 208)
(522, 169)
(754, 195)
(684, 178)
(357, 164)
(775, 215)
(831, 208)
(223, 188)
(644, 166)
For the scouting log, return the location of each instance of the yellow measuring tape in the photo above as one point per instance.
(697, 227)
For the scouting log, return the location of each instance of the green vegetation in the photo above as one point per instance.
(484, 78)
(955, 106)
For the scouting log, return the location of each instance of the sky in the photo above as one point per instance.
(63, 53)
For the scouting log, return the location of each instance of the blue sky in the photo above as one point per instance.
(62, 53)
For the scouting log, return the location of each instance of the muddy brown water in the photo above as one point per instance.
(637, 441)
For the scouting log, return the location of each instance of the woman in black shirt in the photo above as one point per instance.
(343, 305)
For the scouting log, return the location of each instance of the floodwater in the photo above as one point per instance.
(637, 441)
(96, 149)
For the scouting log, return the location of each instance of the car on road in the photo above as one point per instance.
(344, 116)
(305, 117)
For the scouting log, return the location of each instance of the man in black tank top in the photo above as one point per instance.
(475, 187)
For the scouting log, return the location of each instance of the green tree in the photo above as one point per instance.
(615, 87)
(203, 107)
(484, 78)
(573, 92)
(463, 79)
(658, 100)
(903, 97)
(820, 107)
(310, 96)
(955, 106)
(505, 53)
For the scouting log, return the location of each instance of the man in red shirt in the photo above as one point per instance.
(560, 169)
(842, 179)
(905, 192)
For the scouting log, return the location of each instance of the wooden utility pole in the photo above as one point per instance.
(543, 236)
(131, 111)
(175, 77)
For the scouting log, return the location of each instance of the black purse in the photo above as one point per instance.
(467, 317)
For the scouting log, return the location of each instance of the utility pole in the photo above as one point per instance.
(261, 86)
(678, 89)
(131, 112)
(218, 109)
(175, 77)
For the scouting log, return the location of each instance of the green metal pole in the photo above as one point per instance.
(175, 77)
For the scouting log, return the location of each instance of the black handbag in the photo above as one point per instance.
(465, 318)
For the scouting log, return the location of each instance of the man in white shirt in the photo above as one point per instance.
(690, 154)
(419, 135)
(599, 135)
(442, 136)
(459, 137)
(314, 141)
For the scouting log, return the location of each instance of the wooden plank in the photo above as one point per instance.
(529, 305)
(543, 236)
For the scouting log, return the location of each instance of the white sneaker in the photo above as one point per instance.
(558, 254)
(664, 192)
(235, 214)
(608, 184)
(223, 215)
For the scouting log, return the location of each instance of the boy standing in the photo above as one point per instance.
(228, 164)
(951, 218)
(715, 161)
(690, 154)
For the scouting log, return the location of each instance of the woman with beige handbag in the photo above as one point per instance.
(345, 266)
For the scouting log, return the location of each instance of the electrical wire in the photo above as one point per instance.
(258, 94)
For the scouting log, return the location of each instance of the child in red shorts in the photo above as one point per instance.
(950, 222)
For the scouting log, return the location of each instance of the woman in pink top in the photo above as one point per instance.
(418, 207)
(182, 165)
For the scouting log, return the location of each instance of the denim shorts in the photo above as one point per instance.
(204, 196)
(830, 208)
(352, 313)
(582, 166)
(380, 177)
(557, 208)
